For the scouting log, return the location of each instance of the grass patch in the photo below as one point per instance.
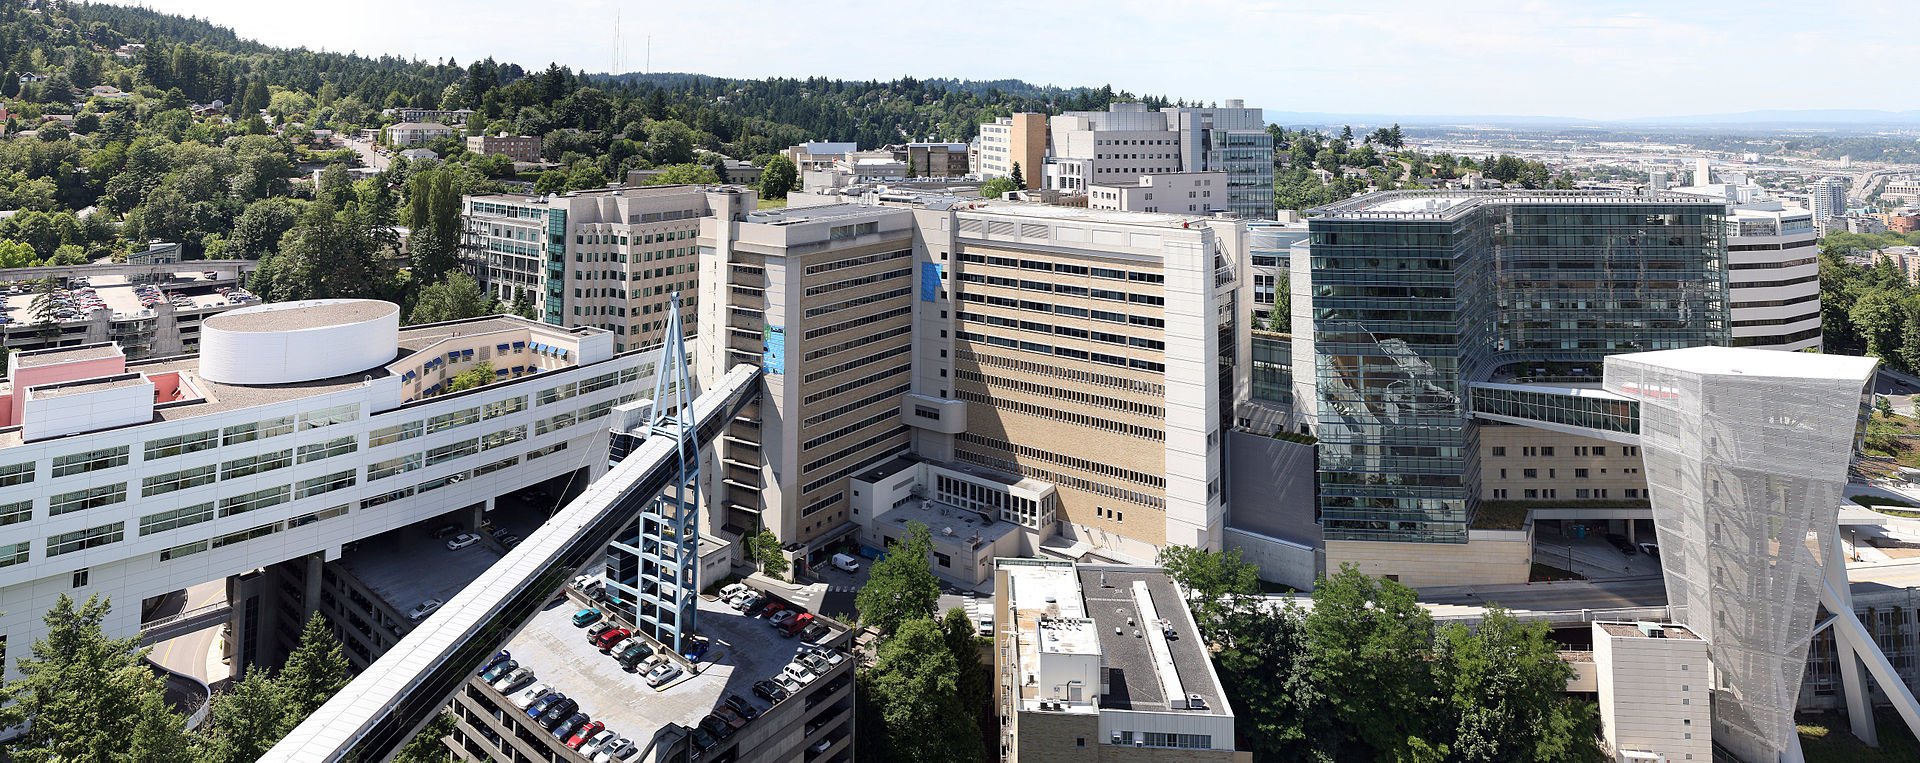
(1546, 573)
(766, 203)
(1875, 501)
(1825, 739)
(1501, 515)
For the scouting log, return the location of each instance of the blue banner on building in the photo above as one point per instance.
(929, 281)
(774, 359)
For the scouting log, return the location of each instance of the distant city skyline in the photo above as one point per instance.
(1597, 60)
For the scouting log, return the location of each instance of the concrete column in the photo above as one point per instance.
(1846, 651)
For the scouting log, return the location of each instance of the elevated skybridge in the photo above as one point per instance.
(378, 712)
(1584, 411)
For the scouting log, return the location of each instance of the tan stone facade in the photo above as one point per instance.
(1526, 464)
(1487, 558)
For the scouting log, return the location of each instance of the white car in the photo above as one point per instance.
(787, 683)
(832, 656)
(660, 675)
(618, 751)
(732, 590)
(463, 540)
(528, 695)
(598, 741)
(425, 608)
(799, 672)
(745, 600)
(518, 678)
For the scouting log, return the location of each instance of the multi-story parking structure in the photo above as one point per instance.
(298, 428)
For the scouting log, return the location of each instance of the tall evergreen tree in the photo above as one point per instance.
(84, 696)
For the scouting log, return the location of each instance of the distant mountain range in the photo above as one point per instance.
(1815, 118)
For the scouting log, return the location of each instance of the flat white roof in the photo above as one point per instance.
(1746, 361)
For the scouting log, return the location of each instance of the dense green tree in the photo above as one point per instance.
(777, 178)
(455, 297)
(315, 671)
(330, 254)
(84, 696)
(1504, 691)
(478, 376)
(973, 683)
(996, 188)
(719, 167)
(245, 720)
(258, 230)
(1877, 317)
(1367, 644)
(901, 585)
(915, 683)
(685, 173)
(523, 304)
(1215, 583)
(1019, 179)
(764, 548)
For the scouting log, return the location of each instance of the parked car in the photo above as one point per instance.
(800, 672)
(512, 682)
(731, 716)
(445, 530)
(846, 563)
(732, 589)
(986, 625)
(583, 617)
(525, 698)
(787, 682)
(794, 626)
(423, 609)
(832, 657)
(742, 706)
(667, 671)
(461, 541)
(594, 631)
(585, 732)
(497, 658)
(772, 610)
(746, 601)
(598, 740)
(769, 691)
(754, 608)
(509, 540)
(499, 670)
(1650, 549)
(539, 705)
(822, 746)
(1621, 542)
(816, 633)
(613, 636)
(620, 750)
(716, 727)
(781, 618)
(564, 731)
(557, 713)
(703, 738)
(633, 652)
(697, 649)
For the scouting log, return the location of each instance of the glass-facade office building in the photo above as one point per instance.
(1417, 295)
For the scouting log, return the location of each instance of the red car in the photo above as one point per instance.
(611, 636)
(796, 625)
(772, 609)
(584, 733)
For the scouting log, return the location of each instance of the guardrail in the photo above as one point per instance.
(182, 623)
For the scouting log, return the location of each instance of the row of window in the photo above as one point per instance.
(1061, 480)
(1064, 352)
(897, 434)
(854, 323)
(1077, 419)
(1071, 290)
(1068, 310)
(849, 407)
(1060, 459)
(1066, 331)
(870, 278)
(1058, 372)
(818, 374)
(1061, 393)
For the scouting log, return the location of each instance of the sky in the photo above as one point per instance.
(1594, 59)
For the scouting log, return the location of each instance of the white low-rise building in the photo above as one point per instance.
(1654, 681)
(298, 428)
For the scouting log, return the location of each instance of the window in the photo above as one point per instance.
(187, 443)
(339, 414)
(942, 559)
(1499, 451)
(90, 461)
(14, 553)
(67, 543)
(1530, 473)
(254, 501)
(265, 462)
(448, 421)
(246, 535)
(1546, 450)
(395, 433)
(16, 512)
(182, 517)
(81, 500)
(393, 466)
(446, 453)
(161, 484)
(81, 576)
(503, 437)
(258, 430)
(328, 449)
(504, 407)
(16, 474)
(1580, 474)
(324, 484)
(183, 550)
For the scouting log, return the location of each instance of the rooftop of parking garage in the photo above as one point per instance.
(744, 650)
(408, 566)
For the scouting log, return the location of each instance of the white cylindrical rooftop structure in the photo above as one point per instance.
(287, 342)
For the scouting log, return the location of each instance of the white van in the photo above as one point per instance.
(846, 563)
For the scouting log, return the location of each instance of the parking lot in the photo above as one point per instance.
(744, 650)
(843, 587)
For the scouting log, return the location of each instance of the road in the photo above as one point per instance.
(188, 654)
(369, 154)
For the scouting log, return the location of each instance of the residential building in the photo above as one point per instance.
(416, 133)
(1190, 192)
(1903, 221)
(520, 148)
(1827, 198)
(1097, 662)
(662, 719)
(1903, 189)
(1089, 148)
(818, 155)
(1019, 139)
(1654, 682)
(608, 258)
(441, 116)
(934, 160)
(922, 323)
(1423, 317)
(298, 428)
(417, 154)
(1906, 259)
(1868, 224)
